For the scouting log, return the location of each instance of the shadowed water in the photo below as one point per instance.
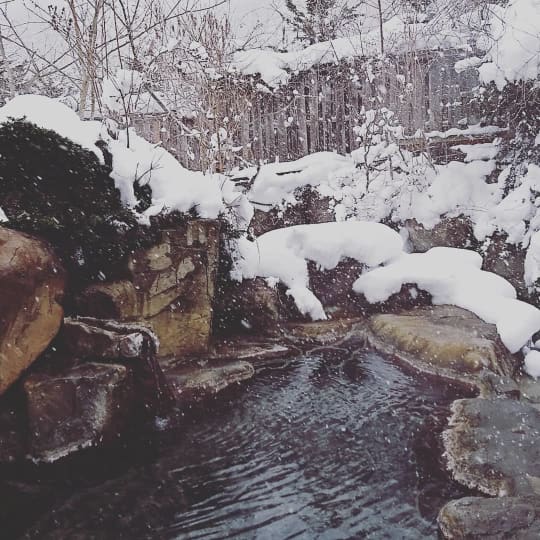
(337, 444)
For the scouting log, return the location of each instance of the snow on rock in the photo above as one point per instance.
(283, 254)
(474, 152)
(135, 159)
(532, 261)
(532, 363)
(3, 217)
(454, 276)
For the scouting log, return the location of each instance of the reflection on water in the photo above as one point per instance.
(338, 444)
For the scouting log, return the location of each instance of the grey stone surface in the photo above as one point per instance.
(502, 518)
(493, 445)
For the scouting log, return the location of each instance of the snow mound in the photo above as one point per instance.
(532, 363)
(276, 182)
(454, 276)
(283, 253)
(51, 114)
(135, 160)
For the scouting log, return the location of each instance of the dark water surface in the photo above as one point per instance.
(337, 444)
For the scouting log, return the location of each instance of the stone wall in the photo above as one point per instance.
(170, 289)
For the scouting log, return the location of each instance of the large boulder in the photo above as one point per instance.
(87, 405)
(446, 341)
(31, 287)
(497, 519)
(492, 445)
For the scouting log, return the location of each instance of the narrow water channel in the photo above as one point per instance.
(338, 444)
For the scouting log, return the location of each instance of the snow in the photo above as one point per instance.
(283, 254)
(276, 182)
(467, 63)
(3, 217)
(532, 363)
(51, 114)
(454, 276)
(483, 151)
(173, 186)
(474, 129)
(514, 52)
(275, 68)
(532, 261)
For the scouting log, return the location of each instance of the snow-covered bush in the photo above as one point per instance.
(56, 189)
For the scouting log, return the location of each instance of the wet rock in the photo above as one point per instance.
(193, 383)
(508, 261)
(443, 340)
(134, 345)
(87, 405)
(325, 332)
(334, 287)
(31, 287)
(449, 232)
(496, 519)
(492, 445)
(255, 351)
(170, 289)
(252, 305)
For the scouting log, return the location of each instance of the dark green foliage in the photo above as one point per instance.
(516, 107)
(52, 187)
(322, 19)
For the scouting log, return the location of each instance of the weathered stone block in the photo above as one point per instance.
(170, 290)
(88, 404)
(31, 287)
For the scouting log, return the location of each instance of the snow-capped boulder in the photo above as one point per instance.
(31, 287)
(445, 341)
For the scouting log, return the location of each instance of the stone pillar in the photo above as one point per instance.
(170, 289)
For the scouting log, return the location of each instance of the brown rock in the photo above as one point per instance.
(508, 261)
(443, 340)
(31, 287)
(310, 208)
(116, 300)
(250, 305)
(170, 289)
(449, 232)
(87, 405)
(334, 287)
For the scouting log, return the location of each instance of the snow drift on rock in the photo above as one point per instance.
(454, 276)
(283, 253)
